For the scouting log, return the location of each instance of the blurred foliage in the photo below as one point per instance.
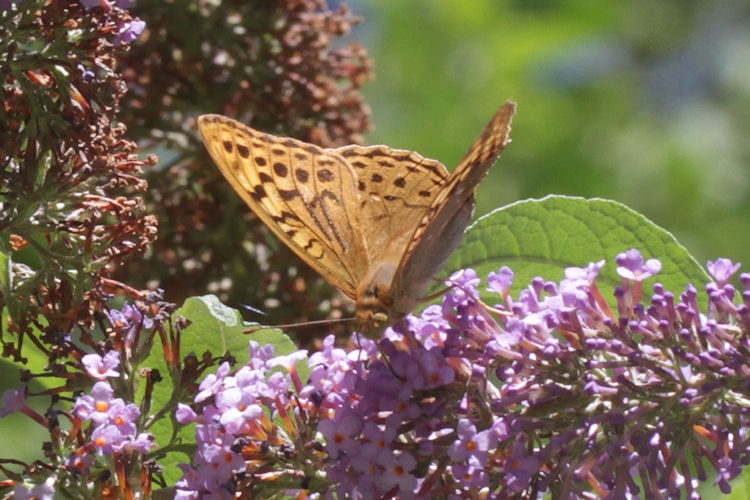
(644, 102)
(70, 204)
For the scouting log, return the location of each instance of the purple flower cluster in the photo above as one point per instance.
(106, 436)
(97, 441)
(14, 400)
(132, 323)
(129, 32)
(114, 422)
(234, 431)
(43, 491)
(557, 394)
(389, 421)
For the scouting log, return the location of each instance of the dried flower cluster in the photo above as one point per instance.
(277, 66)
(68, 172)
(99, 441)
(563, 397)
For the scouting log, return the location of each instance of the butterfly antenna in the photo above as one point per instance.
(297, 325)
(254, 309)
(437, 294)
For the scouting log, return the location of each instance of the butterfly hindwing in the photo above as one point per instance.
(305, 194)
(441, 229)
(396, 189)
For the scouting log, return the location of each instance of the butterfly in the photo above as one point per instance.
(376, 222)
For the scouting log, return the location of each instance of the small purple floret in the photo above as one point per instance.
(630, 265)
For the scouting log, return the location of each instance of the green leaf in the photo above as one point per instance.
(19, 434)
(543, 237)
(6, 285)
(14, 306)
(218, 329)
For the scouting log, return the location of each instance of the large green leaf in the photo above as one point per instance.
(543, 237)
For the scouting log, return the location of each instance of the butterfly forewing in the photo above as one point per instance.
(395, 190)
(441, 229)
(305, 194)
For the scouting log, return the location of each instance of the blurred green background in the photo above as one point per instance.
(645, 102)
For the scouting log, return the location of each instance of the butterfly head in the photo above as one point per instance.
(378, 302)
(373, 311)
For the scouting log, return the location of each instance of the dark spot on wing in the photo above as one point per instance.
(288, 194)
(302, 175)
(325, 175)
(260, 161)
(259, 193)
(284, 216)
(264, 177)
(434, 170)
(228, 146)
(280, 169)
(329, 194)
(243, 150)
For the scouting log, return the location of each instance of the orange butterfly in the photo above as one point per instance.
(376, 222)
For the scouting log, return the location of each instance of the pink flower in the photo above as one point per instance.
(100, 367)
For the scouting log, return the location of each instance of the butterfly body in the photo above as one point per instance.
(376, 222)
